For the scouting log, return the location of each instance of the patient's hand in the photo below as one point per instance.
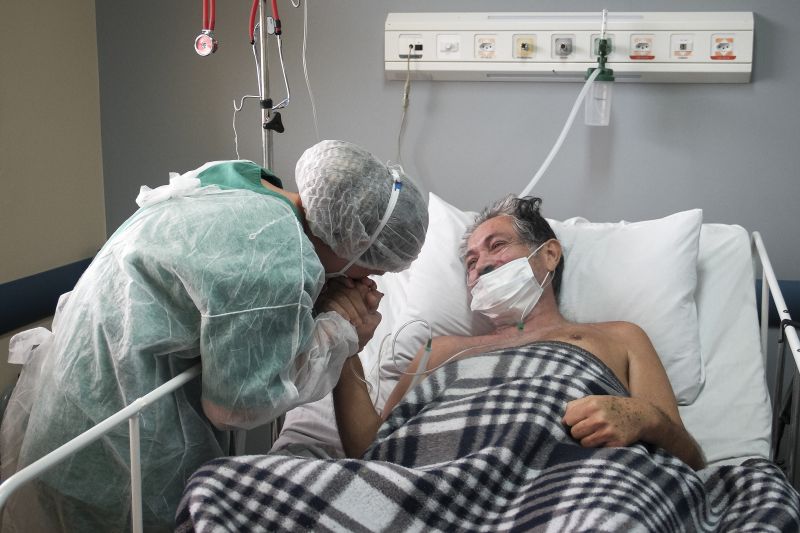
(609, 421)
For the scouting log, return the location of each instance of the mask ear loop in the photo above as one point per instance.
(521, 323)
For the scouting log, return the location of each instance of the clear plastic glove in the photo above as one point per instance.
(356, 301)
(319, 366)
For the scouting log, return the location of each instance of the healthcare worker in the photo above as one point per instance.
(223, 267)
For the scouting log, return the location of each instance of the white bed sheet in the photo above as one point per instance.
(731, 417)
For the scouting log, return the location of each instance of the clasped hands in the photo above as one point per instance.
(357, 301)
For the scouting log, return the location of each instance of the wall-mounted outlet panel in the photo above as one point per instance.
(690, 47)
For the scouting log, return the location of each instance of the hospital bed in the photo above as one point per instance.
(690, 285)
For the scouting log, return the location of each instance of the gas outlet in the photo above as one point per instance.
(563, 46)
(524, 46)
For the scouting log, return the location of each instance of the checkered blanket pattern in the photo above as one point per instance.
(479, 446)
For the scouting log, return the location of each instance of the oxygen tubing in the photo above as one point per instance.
(560, 140)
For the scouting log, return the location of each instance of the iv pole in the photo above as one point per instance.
(266, 105)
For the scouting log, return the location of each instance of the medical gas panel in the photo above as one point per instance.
(702, 47)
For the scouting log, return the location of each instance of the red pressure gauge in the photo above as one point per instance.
(205, 44)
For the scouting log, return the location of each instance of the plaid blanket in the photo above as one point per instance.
(479, 446)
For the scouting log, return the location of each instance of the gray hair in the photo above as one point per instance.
(531, 227)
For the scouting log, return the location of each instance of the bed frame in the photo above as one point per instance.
(786, 407)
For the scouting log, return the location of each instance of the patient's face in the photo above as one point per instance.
(492, 244)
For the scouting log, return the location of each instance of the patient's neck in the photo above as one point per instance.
(544, 317)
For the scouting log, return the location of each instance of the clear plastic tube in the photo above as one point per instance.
(560, 140)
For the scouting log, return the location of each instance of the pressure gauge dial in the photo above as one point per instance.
(205, 44)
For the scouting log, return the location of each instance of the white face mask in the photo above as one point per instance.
(508, 294)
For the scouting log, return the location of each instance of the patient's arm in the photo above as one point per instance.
(649, 415)
(355, 417)
(442, 348)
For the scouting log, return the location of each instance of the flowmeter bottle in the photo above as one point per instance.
(598, 103)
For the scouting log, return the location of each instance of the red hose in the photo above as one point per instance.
(205, 14)
(275, 10)
(276, 17)
(212, 18)
(253, 11)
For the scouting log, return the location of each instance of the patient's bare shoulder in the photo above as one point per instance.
(622, 332)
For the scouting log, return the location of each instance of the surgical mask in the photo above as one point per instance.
(397, 186)
(507, 295)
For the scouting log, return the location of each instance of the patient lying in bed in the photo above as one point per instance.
(551, 425)
(514, 265)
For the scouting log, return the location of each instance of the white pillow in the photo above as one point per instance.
(640, 272)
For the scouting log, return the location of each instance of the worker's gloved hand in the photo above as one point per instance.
(357, 301)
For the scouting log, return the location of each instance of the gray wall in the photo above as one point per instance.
(729, 149)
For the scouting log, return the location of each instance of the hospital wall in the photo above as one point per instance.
(52, 210)
(731, 149)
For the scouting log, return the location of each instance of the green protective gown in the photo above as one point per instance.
(224, 276)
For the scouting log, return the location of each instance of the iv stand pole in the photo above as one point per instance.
(266, 135)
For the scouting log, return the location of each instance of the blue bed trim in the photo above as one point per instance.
(33, 298)
(791, 295)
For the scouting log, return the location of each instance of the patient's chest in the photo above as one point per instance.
(598, 340)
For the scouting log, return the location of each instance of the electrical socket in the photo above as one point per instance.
(642, 46)
(722, 46)
(410, 44)
(486, 46)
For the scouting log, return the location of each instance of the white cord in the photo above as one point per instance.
(288, 98)
(297, 4)
(406, 93)
(235, 111)
(421, 372)
(305, 69)
(241, 102)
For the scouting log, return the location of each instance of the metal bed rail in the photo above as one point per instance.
(785, 411)
(129, 413)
